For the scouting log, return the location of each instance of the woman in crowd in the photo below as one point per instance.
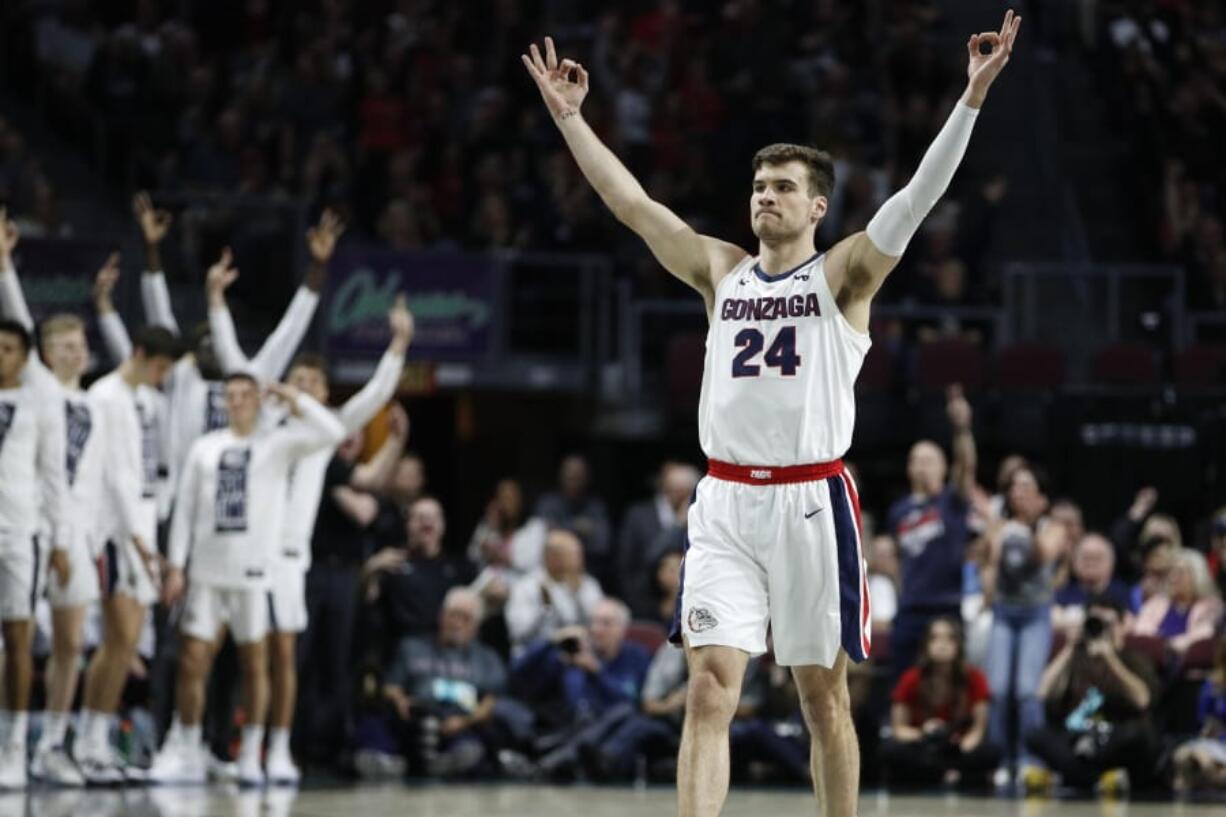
(939, 716)
(1188, 609)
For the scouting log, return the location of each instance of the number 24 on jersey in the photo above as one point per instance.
(780, 355)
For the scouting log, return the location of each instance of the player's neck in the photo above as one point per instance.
(72, 382)
(776, 258)
(242, 429)
(127, 371)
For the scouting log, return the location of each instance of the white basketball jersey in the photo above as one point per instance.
(781, 366)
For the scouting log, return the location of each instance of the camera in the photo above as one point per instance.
(1095, 628)
(571, 645)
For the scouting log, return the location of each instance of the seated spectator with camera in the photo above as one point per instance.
(939, 716)
(442, 691)
(558, 594)
(1093, 574)
(583, 681)
(1187, 609)
(1098, 697)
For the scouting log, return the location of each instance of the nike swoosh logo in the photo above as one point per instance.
(812, 513)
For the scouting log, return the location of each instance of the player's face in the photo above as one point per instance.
(12, 356)
(67, 353)
(152, 371)
(781, 208)
(311, 381)
(242, 402)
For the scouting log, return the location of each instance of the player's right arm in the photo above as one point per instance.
(155, 295)
(699, 261)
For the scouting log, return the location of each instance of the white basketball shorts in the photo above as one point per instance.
(123, 572)
(778, 547)
(207, 609)
(82, 587)
(287, 608)
(21, 572)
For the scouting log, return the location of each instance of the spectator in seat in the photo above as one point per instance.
(405, 486)
(1201, 763)
(505, 546)
(1093, 571)
(442, 690)
(939, 716)
(930, 526)
(883, 580)
(1098, 696)
(573, 508)
(1157, 562)
(1188, 610)
(641, 531)
(593, 673)
(666, 570)
(405, 586)
(557, 594)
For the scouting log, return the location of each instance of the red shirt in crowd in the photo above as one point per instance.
(907, 692)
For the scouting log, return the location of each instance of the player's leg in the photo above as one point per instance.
(249, 626)
(287, 618)
(711, 699)
(51, 761)
(835, 752)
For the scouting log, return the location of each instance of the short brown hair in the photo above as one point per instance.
(311, 360)
(818, 162)
(59, 324)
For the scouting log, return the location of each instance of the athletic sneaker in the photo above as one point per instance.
(178, 763)
(250, 773)
(13, 767)
(1113, 783)
(54, 766)
(98, 769)
(1036, 781)
(220, 771)
(281, 769)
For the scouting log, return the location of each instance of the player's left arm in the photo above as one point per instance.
(320, 427)
(53, 479)
(270, 363)
(860, 263)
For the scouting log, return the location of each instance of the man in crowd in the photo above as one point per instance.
(930, 526)
(443, 689)
(1098, 695)
(1093, 574)
(641, 529)
(572, 507)
(557, 594)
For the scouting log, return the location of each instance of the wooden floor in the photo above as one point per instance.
(393, 800)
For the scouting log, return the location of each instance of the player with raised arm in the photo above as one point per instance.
(229, 515)
(774, 536)
(195, 389)
(287, 595)
(71, 589)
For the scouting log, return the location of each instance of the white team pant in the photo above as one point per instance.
(784, 555)
(207, 609)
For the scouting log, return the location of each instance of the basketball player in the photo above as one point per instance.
(228, 515)
(67, 352)
(774, 531)
(32, 481)
(194, 389)
(292, 557)
(127, 408)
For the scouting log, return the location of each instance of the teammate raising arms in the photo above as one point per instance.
(774, 532)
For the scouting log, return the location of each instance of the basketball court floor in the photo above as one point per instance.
(536, 801)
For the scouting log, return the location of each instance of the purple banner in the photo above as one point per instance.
(451, 296)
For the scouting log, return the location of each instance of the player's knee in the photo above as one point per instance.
(825, 707)
(68, 644)
(709, 699)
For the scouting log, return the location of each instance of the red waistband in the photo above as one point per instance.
(774, 474)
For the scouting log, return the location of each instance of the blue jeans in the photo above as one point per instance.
(1017, 653)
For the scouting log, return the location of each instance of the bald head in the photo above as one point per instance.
(563, 555)
(926, 468)
(608, 628)
(1094, 562)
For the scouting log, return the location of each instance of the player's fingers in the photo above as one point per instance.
(551, 54)
(536, 58)
(972, 45)
(1004, 27)
(582, 72)
(566, 68)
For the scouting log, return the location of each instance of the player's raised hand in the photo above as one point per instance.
(9, 235)
(400, 319)
(322, 238)
(286, 394)
(104, 284)
(154, 223)
(219, 278)
(982, 69)
(563, 85)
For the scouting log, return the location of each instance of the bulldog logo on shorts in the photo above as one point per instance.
(701, 620)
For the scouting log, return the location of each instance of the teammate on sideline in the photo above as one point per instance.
(32, 480)
(228, 516)
(195, 390)
(67, 352)
(774, 531)
(292, 559)
(127, 408)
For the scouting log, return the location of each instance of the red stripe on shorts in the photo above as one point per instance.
(775, 474)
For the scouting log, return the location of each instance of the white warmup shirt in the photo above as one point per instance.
(781, 366)
(229, 512)
(307, 476)
(32, 479)
(128, 421)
